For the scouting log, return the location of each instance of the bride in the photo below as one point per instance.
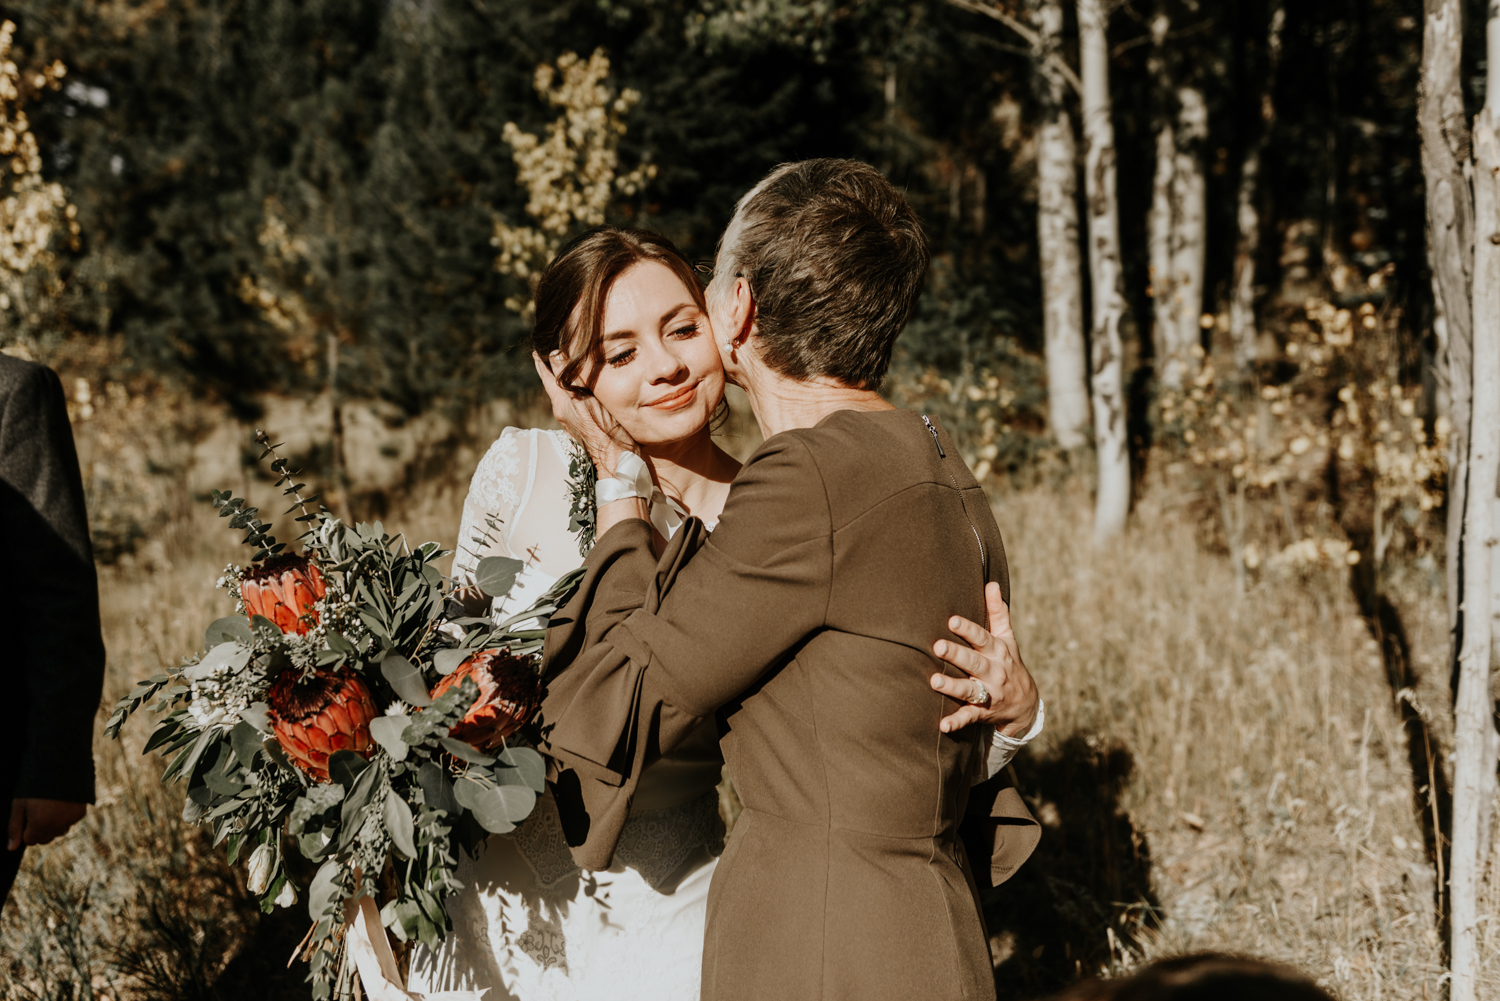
(623, 311)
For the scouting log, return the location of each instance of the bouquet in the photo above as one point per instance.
(352, 713)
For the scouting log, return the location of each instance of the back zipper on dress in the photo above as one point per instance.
(984, 557)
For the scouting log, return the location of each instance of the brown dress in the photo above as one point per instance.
(805, 623)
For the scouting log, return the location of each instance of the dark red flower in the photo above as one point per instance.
(327, 712)
(509, 694)
(284, 590)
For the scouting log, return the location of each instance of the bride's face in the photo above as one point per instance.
(661, 377)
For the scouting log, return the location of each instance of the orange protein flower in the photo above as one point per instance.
(284, 590)
(509, 693)
(327, 712)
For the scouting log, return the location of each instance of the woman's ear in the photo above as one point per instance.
(742, 314)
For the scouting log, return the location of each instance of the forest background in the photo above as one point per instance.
(319, 217)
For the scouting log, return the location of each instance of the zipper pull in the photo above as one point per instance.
(935, 441)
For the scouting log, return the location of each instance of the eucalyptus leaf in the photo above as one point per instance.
(523, 763)
(312, 804)
(518, 801)
(358, 797)
(165, 731)
(399, 825)
(496, 575)
(224, 809)
(325, 893)
(258, 715)
(229, 629)
(276, 753)
(188, 760)
(499, 808)
(246, 740)
(345, 767)
(437, 791)
(465, 752)
(314, 845)
(226, 658)
(387, 732)
(447, 661)
(217, 779)
(336, 641)
(405, 680)
(466, 791)
(265, 628)
(390, 916)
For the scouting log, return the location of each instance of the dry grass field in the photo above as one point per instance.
(1218, 772)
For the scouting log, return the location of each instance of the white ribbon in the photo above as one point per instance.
(373, 959)
(633, 479)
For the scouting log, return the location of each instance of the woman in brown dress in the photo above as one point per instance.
(809, 625)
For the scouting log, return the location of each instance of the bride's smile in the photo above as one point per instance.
(661, 376)
(677, 399)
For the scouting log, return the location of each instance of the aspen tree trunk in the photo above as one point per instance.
(1242, 326)
(1057, 238)
(1175, 224)
(1450, 241)
(1159, 218)
(1474, 737)
(1113, 501)
(1159, 245)
(1189, 213)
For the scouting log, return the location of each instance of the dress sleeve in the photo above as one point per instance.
(757, 589)
(647, 648)
(494, 497)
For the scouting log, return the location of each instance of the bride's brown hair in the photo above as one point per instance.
(577, 283)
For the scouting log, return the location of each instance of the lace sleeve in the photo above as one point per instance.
(490, 506)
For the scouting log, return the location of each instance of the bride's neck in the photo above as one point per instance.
(695, 471)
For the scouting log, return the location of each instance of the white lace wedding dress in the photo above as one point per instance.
(529, 925)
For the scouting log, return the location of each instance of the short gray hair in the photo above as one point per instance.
(836, 260)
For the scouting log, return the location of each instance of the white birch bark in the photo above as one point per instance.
(1189, 212)
(1112, 503)
(1159, 217)
(1450, 241)
(1475, 740)
(1242, 325)
(1159, 242)
(1057, 239)
(1175, 223)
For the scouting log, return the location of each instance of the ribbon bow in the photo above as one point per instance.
(633, 479)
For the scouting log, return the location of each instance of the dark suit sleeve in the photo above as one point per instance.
(51, 588)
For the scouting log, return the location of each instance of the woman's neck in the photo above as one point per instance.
(695, 472)
(783, 404)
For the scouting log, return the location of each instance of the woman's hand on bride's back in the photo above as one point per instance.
(586, 420)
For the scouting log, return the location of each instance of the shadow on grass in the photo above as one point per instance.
(1051, 923)
(1090, 877)
(1432, 800)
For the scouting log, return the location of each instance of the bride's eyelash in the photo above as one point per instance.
(623, 358)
